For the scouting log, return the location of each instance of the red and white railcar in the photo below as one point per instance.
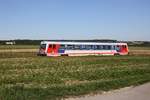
(52, 48)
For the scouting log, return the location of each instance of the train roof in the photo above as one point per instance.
(82, 43)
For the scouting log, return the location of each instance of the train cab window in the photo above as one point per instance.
(92, 47)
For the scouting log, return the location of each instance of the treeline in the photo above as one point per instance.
(20, 42)
(37, 42)
(139, 43)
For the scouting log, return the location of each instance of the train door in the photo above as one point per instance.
(55, 48)
(124, 49)
(52, 49)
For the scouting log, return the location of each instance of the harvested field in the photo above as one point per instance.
(7, 47)
(20, 50)
(17, 54)
(139, 50)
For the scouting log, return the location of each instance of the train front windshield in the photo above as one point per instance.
(43, 46)
(42, 49)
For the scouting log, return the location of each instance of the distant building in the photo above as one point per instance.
(10, 43)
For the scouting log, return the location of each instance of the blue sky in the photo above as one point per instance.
(75, 19)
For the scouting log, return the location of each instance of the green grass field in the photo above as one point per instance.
(25, 76)
(33, 78)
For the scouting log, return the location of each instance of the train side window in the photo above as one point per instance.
(109, 47)
(118, 48)
(70, 47)
(62, 46)
(77, 47)
(104, 47)
(98, 47)
(113, 47)
(94, 47)
(82, 47)
(91, 47)
(88, 47)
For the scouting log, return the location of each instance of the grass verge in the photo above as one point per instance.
(29, 77)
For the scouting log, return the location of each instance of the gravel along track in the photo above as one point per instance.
(131, 93)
